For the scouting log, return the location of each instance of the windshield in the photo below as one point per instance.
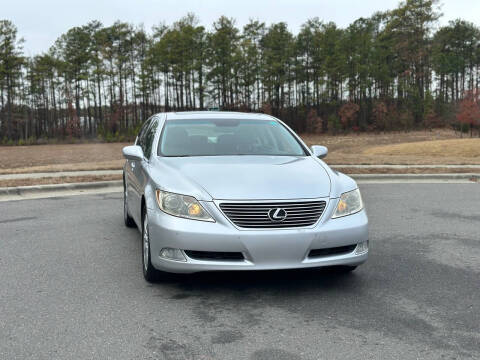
(227, 137)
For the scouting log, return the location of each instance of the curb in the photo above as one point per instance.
(422, 177)
(405, 166)
(25, 190)
(58, 174)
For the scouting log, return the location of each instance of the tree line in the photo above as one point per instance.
(394, 70)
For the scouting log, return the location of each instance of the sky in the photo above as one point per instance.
(41, 22)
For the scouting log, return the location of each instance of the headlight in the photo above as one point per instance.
(348, 204)
(182, 206)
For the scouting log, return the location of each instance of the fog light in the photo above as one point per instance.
(172, 254)
(362, 248)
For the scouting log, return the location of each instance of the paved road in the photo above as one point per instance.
(71, 288)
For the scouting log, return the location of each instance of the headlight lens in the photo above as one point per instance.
(182, 206)
(348, 204)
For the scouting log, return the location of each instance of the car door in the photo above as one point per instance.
(131, 180)
(140, 170)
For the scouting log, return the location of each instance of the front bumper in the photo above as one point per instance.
(262, 249)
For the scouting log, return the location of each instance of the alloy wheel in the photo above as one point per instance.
(146, 244)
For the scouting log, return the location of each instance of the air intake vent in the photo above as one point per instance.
(341, 250)
(214, 255)
(272, 215)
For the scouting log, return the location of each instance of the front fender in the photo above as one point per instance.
(340, 183)
(150, 196)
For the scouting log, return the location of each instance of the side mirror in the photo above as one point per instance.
(133, 152)
(319, 151)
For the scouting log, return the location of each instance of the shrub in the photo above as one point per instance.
(379, 115)
(314, 122)
(348, 114)
(334, 124)
(469, 111)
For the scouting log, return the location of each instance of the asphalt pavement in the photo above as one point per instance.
(71, 288)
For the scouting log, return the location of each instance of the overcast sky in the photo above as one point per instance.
(40, 22)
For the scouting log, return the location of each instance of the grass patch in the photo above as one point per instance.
(461, 148)
(13, 157)
(416, 147)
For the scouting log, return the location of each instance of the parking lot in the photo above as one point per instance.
(71, 287)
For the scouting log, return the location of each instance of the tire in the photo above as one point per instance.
(149, 272)
(129, 222)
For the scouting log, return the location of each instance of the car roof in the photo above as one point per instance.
(185, 115)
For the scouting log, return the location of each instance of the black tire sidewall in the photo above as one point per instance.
(128, 220)
(150, 273)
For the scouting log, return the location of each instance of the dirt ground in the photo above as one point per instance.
(64, 157)
(419, 147)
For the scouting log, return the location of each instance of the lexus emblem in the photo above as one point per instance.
(277, 215)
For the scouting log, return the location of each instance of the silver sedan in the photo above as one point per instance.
(236, 191)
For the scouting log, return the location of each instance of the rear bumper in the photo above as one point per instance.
(261, 249)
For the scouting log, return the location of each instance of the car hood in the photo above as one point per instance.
(251, 177)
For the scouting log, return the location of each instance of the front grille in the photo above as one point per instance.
(341, 250)
(214, 255)
(255, 215)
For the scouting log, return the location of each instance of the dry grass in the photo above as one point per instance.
(458, 148)
(417, 147)
(58, 180)
(60, 156)
(413, 148)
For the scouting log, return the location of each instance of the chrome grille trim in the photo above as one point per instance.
(254, 215)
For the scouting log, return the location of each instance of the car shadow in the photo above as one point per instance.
(287, 281)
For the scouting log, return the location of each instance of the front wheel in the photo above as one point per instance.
(129, 222)
(149, 272)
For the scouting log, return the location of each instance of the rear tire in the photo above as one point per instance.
(149, 272)
(129, 222)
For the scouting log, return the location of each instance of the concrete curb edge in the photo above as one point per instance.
(421, 177)
(24, 190)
